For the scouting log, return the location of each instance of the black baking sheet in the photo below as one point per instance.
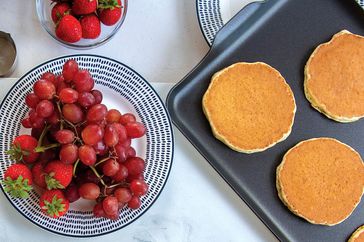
(282, 33)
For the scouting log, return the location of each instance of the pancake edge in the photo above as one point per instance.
(283, 197)
(221, 137)
(311, 98)
(356, 233)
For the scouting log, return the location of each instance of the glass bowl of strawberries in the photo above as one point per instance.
(81, 24)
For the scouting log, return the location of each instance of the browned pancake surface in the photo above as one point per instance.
(335, 77)
(358, 235)
(250, 106)
(321, 180)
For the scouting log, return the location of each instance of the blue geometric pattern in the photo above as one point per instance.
(209, 17)
(125, 82)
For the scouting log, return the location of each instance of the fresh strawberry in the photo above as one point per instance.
(53, 203)
(17, 180)
(58, 175)
(23, 149)
(39, 175)
(109, 11)
(59, 10)
(91, 27)
(82, 7)
(69, 29)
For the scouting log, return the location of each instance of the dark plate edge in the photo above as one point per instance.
(172, 135)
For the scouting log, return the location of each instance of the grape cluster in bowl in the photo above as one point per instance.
(77, 148)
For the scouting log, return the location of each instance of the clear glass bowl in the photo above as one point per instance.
(44, 8)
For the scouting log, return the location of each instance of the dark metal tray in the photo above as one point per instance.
(282, 33)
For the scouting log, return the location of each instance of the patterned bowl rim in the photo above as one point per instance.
(169, 124)
(211, 21)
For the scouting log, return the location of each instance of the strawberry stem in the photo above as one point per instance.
(47, 147)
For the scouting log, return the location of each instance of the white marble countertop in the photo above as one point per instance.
(161, 40)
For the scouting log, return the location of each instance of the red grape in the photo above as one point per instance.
(135, 165)
(71, 193)
(68, 153)
(92, 134)
(110, 167)
(120, 151)
(62, 85)
(68, 95)
(44, 89)
(130, 152)
(131, 178)
(99, 211)
(45, 108)
(64, 136)
(98, 96)
(110, 205)
(89, 191)
(134, 202)
(122, 194)
(86, 99)
(126, 143)
(54, 118)
(31, 100)
(70, 68)
(121, 131)
(83, 81)
(96, 113)
(35, 120)
(139, 187)
(87, 155)
(49, 76)
(113, 116)
(127, 118)
(111, 136)
(100, 148)
(135, 129)
(121, 174)
(72, 113)
(26, 123)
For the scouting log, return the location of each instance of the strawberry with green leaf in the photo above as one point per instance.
(53, 203)
(17, 181)
(58, 175)
(24, 149)
(109, 11)
(59, 10)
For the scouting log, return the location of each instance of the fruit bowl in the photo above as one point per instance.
(123, 89)
(44, 8)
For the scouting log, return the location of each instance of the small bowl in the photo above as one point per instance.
(7, 54)
(44, 8)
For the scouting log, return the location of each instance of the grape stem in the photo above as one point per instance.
(75, 167)
(41, 137)
(60, 114)
(103, 160)
(74, 128)
(98, 175)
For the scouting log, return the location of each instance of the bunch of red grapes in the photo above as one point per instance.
(67, 117)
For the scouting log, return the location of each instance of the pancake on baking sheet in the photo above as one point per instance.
(334, 77)
(358, 235)
(321, 180)
(250, 106)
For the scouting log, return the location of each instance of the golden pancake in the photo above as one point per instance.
(321, 180)
(250, 106)
(358, 235)
(334, 77)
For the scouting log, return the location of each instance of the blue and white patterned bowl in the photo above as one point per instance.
(214, 14)
(123, 89)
